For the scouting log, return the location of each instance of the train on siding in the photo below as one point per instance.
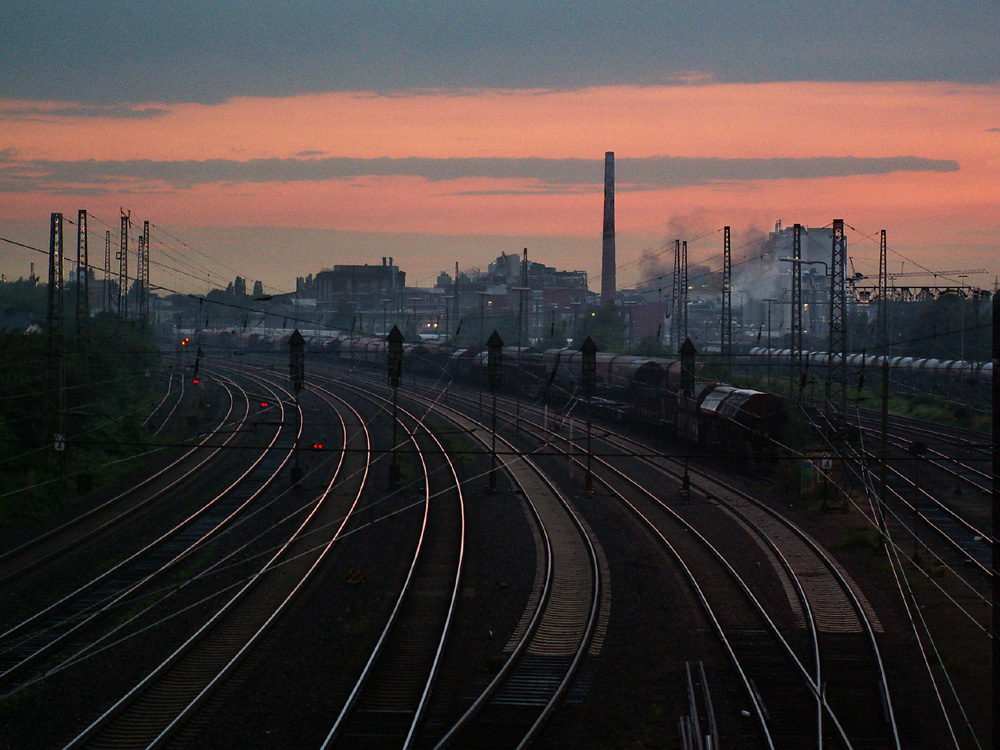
(954, 378)
(646, 392)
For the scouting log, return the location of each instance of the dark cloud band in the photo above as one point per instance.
(546, 175)
(217, 49)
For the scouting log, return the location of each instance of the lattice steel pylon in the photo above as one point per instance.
(140, 287)
(883, 298)
(726, 336)
(684, 291)
(82, 271)
(123, 269)
(107, 270)
(837, 369)
(796, 370)
(55, 295)
(675, 300)
(144, 313)
(55, 372)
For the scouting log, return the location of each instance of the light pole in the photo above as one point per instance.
(588, 351)
(297, 374)
(520, 356)
(394, 348)
(494, 374)
(482, 341)
(769, 300)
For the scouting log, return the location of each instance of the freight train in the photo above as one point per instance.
(646, 392)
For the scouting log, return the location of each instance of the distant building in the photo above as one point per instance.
(366, 287)
(508, 270)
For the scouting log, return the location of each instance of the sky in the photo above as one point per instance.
(272, 140)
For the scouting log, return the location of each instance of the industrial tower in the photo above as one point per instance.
(608, 281)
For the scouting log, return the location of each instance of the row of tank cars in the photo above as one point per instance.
(645, 392)
(953, 368)
(940, 377)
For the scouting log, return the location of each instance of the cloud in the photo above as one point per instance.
(562, 176)
(993, 130)
(115, 112)
(216, 49)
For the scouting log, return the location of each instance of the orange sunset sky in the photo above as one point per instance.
(276, 184)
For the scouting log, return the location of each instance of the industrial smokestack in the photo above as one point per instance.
(608, 246)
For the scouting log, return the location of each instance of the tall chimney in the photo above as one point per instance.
(608, 245)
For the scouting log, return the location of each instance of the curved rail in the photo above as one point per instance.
(170, 694)
(418, 583)
(61, 619)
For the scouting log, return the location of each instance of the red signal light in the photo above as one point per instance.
(196, 381)
(264, 404)
(317, 446)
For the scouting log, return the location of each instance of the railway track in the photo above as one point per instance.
(917, 508)
(388, 701)
(563, 623)
(797, 646)
(18, 560)
(777, 669)
(32, 646)
(171, 703)
(164, 411)
(963, 457)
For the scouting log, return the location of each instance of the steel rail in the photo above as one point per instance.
(814, 684)
(861, 610)
(864, 456)
(198, 693)
(65, 627)
(552, 588)
(406, 590)
(90, 512)
(170, 384)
